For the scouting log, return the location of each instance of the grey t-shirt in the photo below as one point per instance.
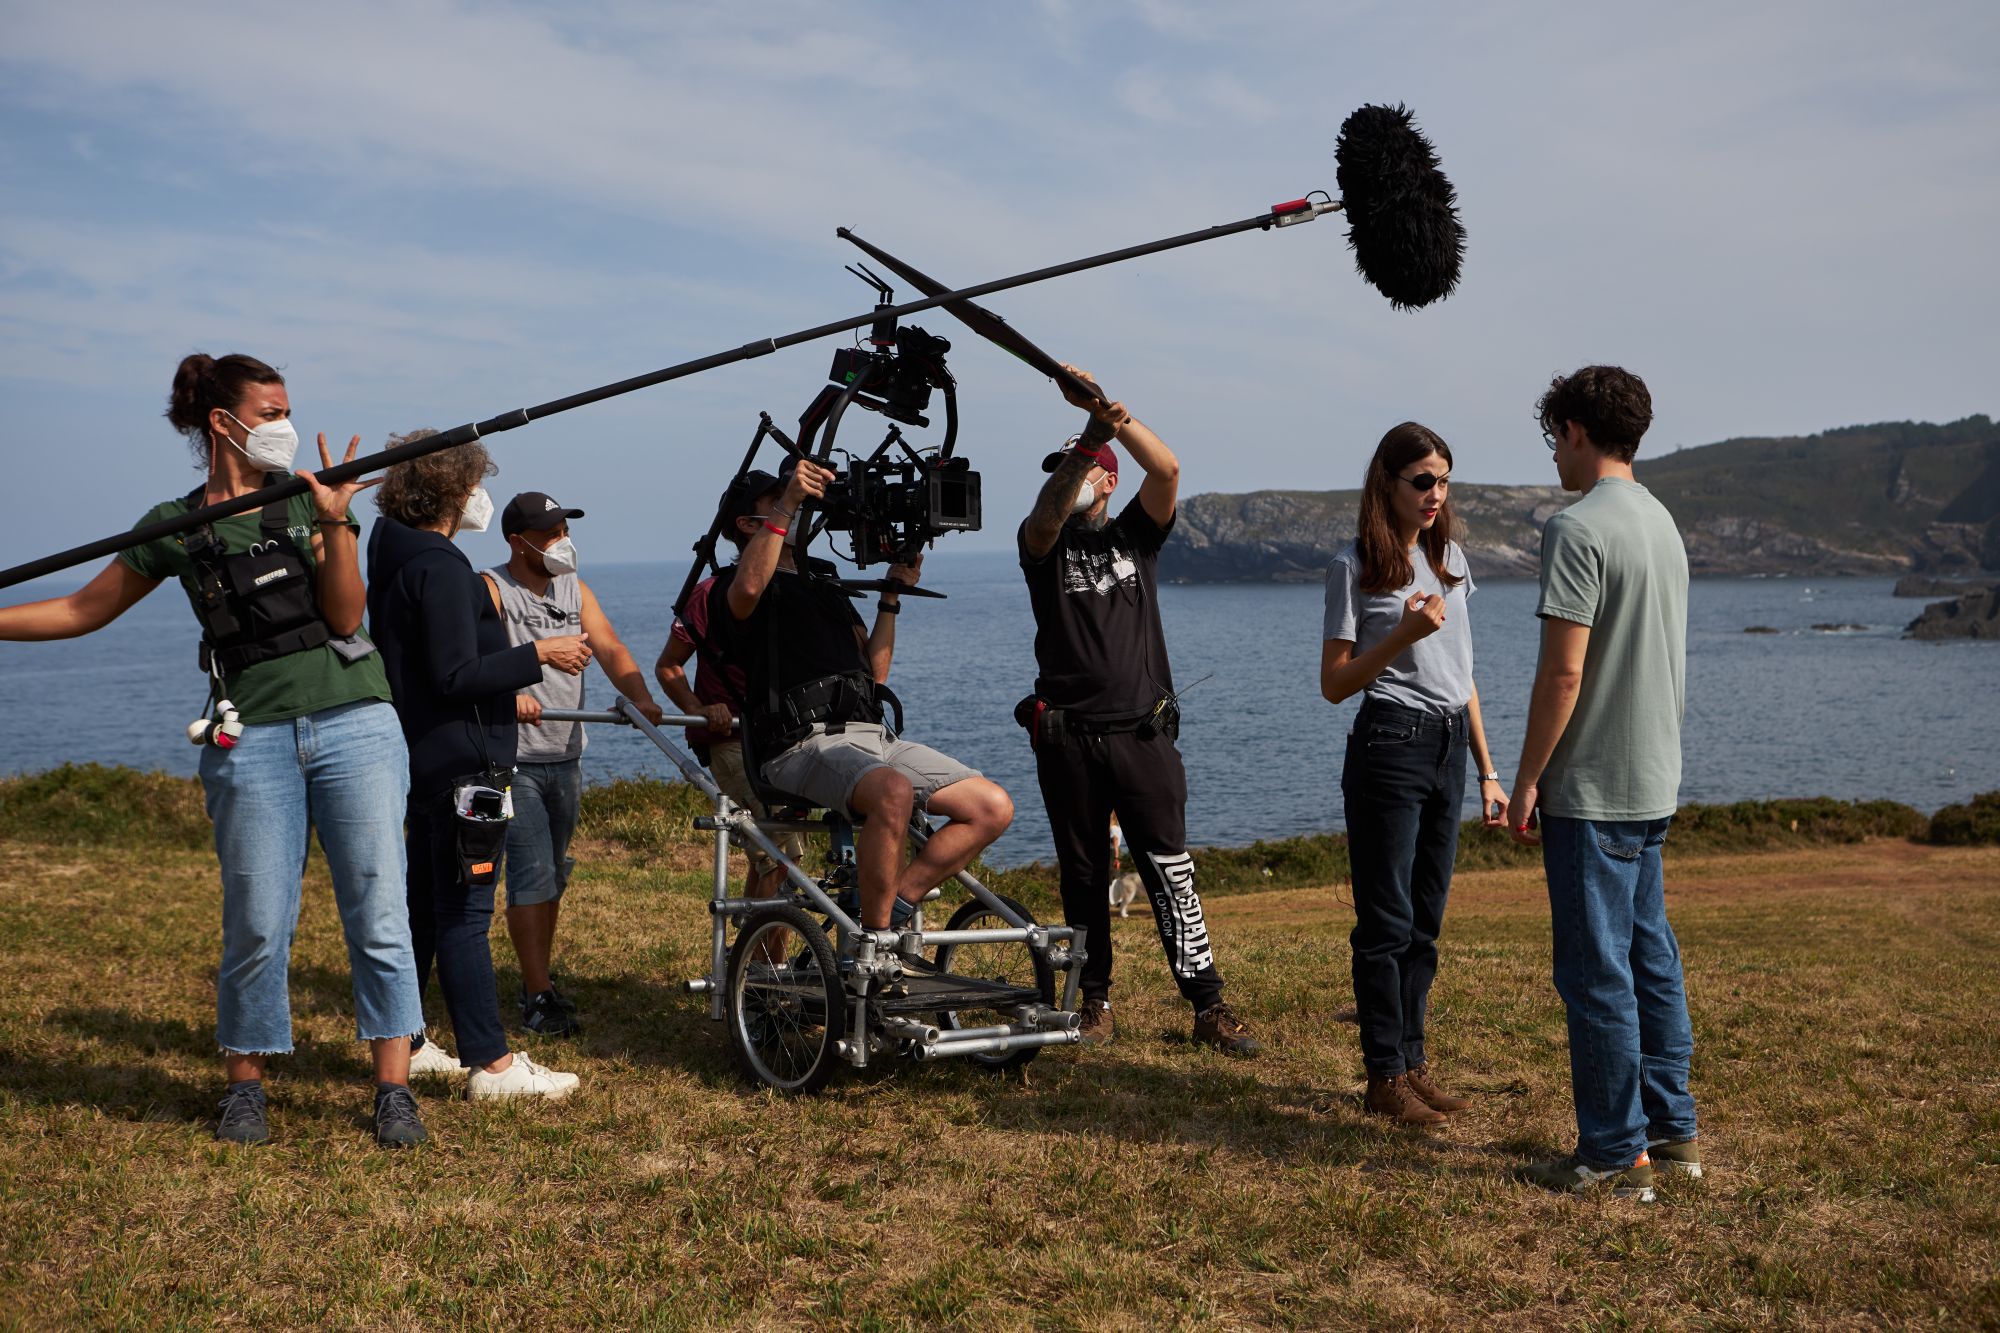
(1614, 561)
(546, 615)
(1434, 673)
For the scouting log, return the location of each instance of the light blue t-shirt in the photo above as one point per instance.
(1433, 674)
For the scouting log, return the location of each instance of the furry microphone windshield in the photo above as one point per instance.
(1402, 213)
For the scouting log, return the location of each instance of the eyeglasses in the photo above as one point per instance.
(1549, 438)
(1426, 481)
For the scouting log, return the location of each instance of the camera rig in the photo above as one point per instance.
(893, 501)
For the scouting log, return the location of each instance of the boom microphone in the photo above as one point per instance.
(1402, 213)
(1404, 229)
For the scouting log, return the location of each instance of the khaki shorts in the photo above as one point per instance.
(825, 768)
(725, 764)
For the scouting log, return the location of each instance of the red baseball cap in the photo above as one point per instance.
(1107, 457)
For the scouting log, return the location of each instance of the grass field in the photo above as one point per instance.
(1846, 1004)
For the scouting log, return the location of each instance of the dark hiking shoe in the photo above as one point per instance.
(397, 1124)
(562, 1001)
(1218, 1026)
(1682, 1155)
(1430, 1094)
(241, 1118)
(1096, 1027)
(544, 1014)
(1393, 1098)
(1572, 1175)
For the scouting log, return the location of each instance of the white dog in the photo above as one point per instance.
(1125, 890)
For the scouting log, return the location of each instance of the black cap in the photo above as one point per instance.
(532, 511)
(740, 500)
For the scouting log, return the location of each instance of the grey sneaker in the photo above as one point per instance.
(1572, 1175)
(241, 1118)
(1682, 1155)
(397, 1124)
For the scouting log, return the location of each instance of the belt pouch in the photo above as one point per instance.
(481, 809)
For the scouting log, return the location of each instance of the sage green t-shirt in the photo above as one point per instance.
(283, 687)
(1614, 561)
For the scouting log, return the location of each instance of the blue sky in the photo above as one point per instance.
(1781, 215)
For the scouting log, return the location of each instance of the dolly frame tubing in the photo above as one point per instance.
(731, 819)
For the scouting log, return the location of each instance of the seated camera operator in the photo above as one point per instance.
(815, 720)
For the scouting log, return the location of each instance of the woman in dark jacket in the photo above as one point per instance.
(454, 676)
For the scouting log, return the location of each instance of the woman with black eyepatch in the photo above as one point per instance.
(1397, 633)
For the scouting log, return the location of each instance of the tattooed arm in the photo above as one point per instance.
(1052, 506)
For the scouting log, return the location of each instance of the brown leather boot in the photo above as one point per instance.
(1393, 1098)
(1430, 1094)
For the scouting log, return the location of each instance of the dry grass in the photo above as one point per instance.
(1848, 1071)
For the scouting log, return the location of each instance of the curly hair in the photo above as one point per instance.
(1609, 402)
(428, 491)
(203, 383)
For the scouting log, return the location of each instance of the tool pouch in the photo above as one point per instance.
(1047, 727)
(481, 807)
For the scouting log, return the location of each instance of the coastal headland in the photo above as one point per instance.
(1888, 498)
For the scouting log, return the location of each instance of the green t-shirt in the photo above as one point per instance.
(1614, 561)
(283, 687)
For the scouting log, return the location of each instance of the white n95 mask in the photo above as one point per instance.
(478, 511)
(559, 556)
(273, 446)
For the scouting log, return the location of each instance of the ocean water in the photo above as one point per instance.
(1852, 714)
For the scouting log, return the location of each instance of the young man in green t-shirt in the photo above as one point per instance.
(1601, 765)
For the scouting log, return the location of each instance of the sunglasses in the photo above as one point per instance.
(1425, 481)
(1549, 438)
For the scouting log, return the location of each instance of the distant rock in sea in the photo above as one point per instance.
(1973, 616)
(1759, 629)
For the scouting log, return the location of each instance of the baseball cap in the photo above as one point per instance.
(740, 500)
(532, 511)
(1107, 457)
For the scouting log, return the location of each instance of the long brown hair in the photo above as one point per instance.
(1385, 562)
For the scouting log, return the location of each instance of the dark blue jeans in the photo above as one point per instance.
(1404, 782)
(449, 920)
(1618, 970)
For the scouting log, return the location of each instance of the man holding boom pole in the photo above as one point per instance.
(1103, 718)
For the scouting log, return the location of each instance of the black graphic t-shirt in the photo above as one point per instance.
(1098, 640)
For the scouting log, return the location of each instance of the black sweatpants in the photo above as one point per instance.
(1084, 780)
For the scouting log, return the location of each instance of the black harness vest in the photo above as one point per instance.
(257, 604)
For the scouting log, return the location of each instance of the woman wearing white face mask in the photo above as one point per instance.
(306, 727)
(446, 650)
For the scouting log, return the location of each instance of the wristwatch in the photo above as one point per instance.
(1489, 777)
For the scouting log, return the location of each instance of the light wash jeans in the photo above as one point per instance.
(343, 771)
(1618, 970)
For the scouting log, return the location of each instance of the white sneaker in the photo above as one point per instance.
(431, 1058)
(523, 1078)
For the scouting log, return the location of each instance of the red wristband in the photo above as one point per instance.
(773, 527)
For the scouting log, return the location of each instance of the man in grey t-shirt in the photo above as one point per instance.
(1601, 765)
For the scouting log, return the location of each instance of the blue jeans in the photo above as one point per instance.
(342, 771)
(449, 920)
(1618, 970)
(546, 800)
(1403, 783)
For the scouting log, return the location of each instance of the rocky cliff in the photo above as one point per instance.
(1880, 499)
